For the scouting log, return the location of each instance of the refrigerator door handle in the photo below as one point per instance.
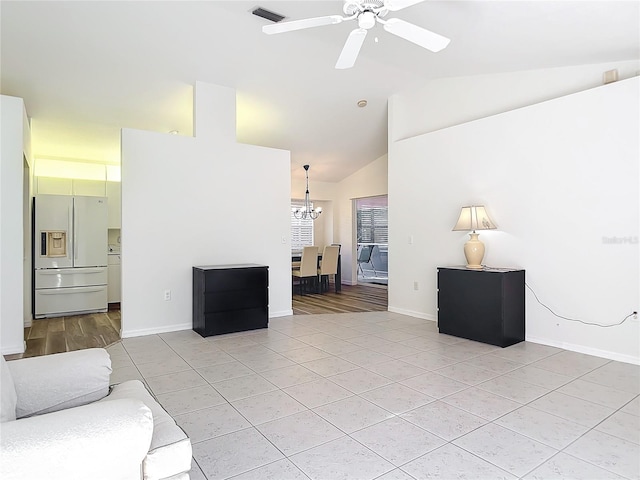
(70, 271)
(70, 291)
(73, 217)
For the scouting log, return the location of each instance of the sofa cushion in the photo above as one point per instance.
(170, 451)
(7, 393)
(63, 380)
(99, 441)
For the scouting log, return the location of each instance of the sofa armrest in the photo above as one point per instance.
(105, 440)
(63, 380)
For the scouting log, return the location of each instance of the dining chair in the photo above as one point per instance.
(328, 266)
(307, 271)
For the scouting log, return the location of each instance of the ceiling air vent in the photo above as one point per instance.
(261, 12)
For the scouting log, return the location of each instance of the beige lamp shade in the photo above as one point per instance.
(474, 218)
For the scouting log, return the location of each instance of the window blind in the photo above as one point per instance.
(372, 221)
(301, 229)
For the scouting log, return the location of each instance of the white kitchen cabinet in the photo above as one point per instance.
(53, 186)
(114, 204)
(113, 282)
(69, 186)
(89, 188)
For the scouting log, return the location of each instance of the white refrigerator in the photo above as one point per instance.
(70, 255)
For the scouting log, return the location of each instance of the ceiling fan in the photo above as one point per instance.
(367, 13)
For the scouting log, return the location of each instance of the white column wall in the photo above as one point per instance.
(12, 153)
(201, 200)
(27, 211)
(559, 178)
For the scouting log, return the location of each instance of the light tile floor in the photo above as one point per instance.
(385, 396)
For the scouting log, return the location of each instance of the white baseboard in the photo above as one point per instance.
(586, 350)
(182, 326)
(13, 349)
(412, 313)
(154, 331)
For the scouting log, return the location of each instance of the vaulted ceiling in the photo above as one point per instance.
(88, 69)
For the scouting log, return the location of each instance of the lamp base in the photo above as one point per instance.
(474, 252)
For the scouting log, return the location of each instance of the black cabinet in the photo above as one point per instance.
(483, 305)
(230, 298)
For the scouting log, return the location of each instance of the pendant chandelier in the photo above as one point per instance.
(307, 210)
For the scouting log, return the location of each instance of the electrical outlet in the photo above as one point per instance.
(415, 285)
(167, 295)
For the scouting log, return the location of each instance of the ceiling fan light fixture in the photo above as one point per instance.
(356, 7)
(367, 13)
(366, 20)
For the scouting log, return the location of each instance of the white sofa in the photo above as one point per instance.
(61, 420)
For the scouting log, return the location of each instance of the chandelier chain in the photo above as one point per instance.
(307, 210)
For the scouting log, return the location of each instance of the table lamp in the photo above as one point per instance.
(474, 218)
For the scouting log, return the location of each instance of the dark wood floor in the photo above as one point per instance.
(352, 298)
(63, 334)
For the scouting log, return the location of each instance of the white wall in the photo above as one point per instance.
(446, 102)
(13, 139)
(199, 200)
(323, 225)
(558, 178)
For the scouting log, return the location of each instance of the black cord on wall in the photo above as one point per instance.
(577, 320)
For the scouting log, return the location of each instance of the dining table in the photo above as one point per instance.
(296, 257)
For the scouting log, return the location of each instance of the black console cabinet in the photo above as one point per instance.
(483, 305)
(230, 298)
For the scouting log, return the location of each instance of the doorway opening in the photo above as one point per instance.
(372, 234)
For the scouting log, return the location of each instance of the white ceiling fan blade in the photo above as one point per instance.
(351, 48)
(300, 24)
(395, 5)
(418, 35)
